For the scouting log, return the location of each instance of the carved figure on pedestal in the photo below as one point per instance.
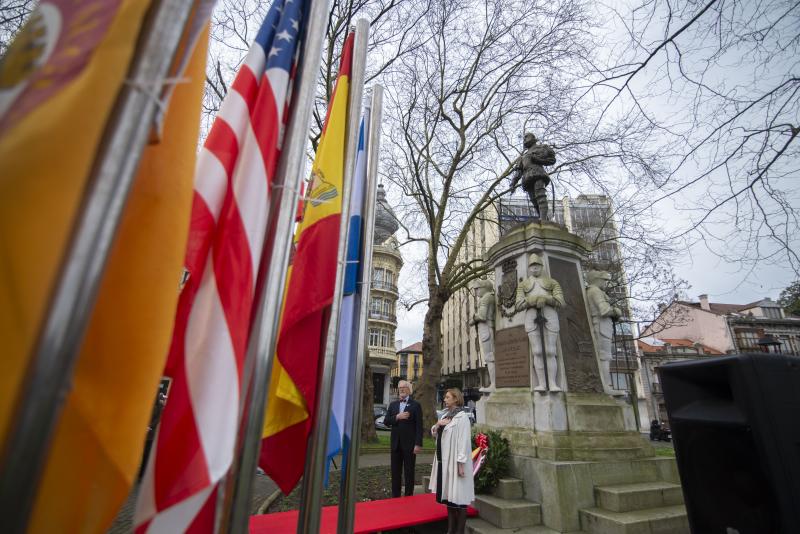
(534, 178)
(539, 296)
(603, 317)
(484, 324)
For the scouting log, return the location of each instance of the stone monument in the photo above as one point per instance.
(549, 398)
(539, 296)
(603, 317)
(483, 320)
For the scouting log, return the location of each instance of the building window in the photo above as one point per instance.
(747, 339)
(374, 337)
(618, 381)
(772, 313)
(385, 338)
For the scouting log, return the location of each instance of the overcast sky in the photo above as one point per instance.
(703, 264)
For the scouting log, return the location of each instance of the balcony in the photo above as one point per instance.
(384, 286)
(380, 316)
(382, 356)
(620, 365)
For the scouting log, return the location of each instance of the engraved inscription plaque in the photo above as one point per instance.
(580, 363)
(512, 358)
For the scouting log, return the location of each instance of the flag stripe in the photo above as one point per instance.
(194, 445)
(309, 294)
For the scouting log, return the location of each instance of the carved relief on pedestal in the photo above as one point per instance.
(508, 289)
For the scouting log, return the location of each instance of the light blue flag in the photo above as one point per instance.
(342, 405)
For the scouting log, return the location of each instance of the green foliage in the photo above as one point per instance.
(665, 451)
(790, 298)
(497, 463)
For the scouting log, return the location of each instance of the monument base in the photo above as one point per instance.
(565, 488)
(564, 426)
(564, 445)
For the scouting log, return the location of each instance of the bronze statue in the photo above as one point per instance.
(533, 176)
(540, 296)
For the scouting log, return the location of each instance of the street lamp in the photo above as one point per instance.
(768, 343)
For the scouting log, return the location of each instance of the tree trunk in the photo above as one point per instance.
(431, 357)
(368, 434)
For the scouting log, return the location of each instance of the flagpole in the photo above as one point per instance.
(347, 493)
(263, 340)
(48, 377)
(311, 497)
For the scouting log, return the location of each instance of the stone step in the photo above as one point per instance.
(508, 513)
(639, 496)
(663, 520)
(477, 525)
(508, 488)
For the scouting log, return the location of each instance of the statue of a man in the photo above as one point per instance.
(484, 324)
(603, 315)
(540, 296)
(533, 176)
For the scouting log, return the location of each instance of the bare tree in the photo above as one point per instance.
(13, 15)
(393, 33)
(458, 108)
(719, 81)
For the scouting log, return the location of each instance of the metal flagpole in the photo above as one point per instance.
(272, 276)
(49, 374)
(347, 494)
(310, 503)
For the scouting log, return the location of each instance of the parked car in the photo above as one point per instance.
(378, 410)
(469, 412)
(379, 425)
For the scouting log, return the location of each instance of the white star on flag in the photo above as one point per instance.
(274, 51)
(285, 36)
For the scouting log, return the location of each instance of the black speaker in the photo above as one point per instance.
(735, 424)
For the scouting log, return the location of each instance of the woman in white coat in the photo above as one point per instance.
(451, 476)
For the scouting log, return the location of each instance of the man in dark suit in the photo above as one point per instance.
(405, 418)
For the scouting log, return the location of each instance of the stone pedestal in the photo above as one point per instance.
(562, 443)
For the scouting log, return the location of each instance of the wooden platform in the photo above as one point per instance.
(371, 516)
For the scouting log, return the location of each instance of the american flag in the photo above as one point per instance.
(194, 444)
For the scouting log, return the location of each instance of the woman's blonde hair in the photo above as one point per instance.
(455, 392)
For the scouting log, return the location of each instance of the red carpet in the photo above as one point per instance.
(371, 516)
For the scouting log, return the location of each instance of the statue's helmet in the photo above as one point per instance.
(597, 276)
(534, 258)
(482, 284)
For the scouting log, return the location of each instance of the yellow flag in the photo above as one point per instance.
(58, 83)
(45, 155)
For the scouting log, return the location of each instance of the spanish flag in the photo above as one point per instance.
(58, 85)
(292, 396)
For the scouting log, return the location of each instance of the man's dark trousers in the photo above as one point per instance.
(406, 434)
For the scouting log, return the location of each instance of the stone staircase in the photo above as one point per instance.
(506, 511)
(640, 508)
